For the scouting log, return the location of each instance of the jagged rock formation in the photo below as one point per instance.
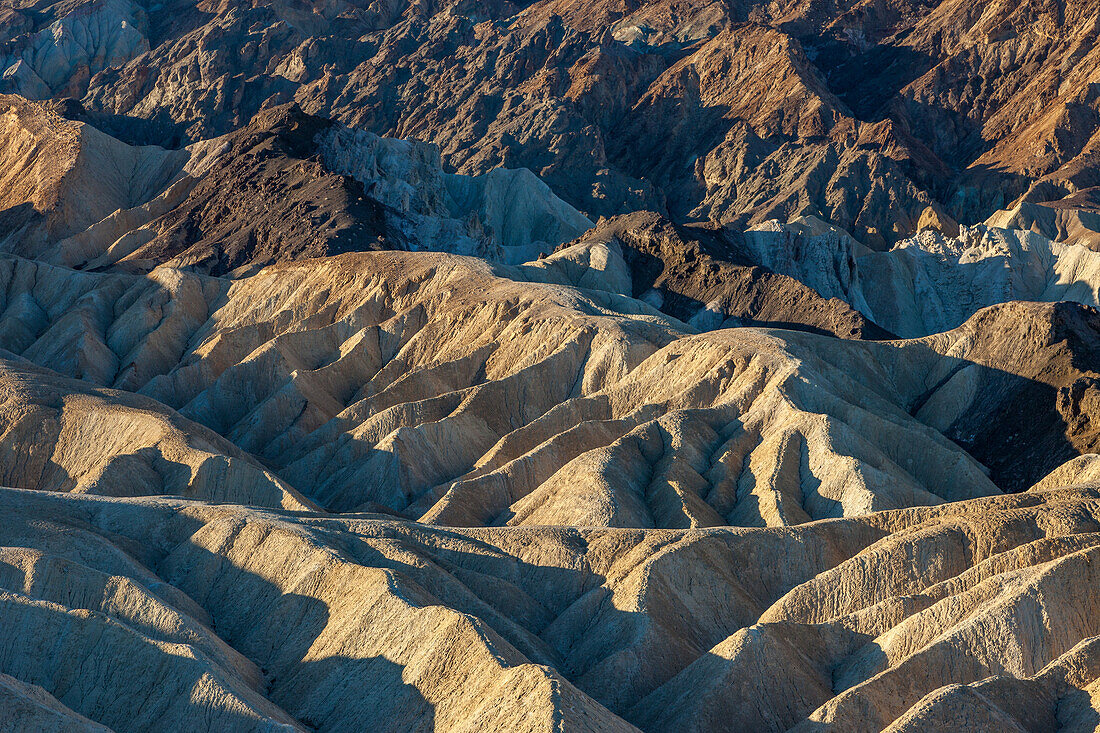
(290, 186)
(30, 706)
(463, 393)
(928, 283)
(287, 186)
(808, 275)
(877, 643)
(55, 49)
(64, 435)
(861, 113)
(348, 375)
(1024, 393)
(699, 276)
(1072, 220)
(546, 366)
(58, 177)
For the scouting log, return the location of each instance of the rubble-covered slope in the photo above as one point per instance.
(863, 113)
(287, 186)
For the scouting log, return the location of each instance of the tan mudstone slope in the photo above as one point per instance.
(439, 387)
(142, 614)
(479, 365)
(214, 482)
(450, 390)
(287, 186)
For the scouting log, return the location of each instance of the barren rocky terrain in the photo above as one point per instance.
(479, 365)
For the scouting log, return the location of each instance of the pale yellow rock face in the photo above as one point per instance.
(900, 620)
(938, 221)
(60, 434)
(418, 491)
(70, 174)
(441, 388)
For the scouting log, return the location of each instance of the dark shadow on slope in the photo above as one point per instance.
(17, 217)
(551, 602)
(868, 81)
(1019, 429)
(557, 616)
(375, 696)
(980, 190)
(686, 270)
(716, 693)
(158, 130)
(1078, 706)
(275, 630)
(567, 616)
(279, 632)
(1031, 378)
(110, 691)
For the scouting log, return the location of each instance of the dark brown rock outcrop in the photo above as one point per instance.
(1026, 388)
(699, 275)
(269, 198)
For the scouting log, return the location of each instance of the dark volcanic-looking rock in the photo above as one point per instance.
(268, 198)
(288, 186)
(696, 274)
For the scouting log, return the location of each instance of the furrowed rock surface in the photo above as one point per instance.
(353, 377)
(863, 114)
(971, 617)
(1072, 220)
(288, 186)
(58, 177)
(1021, 399)
(861, 624)
(65, 435)
(347, 375)
(56, 49)
(291, 186)
(32, 707)
(664, 365)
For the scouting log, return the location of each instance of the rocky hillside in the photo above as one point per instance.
(866, 114)
(666, 365)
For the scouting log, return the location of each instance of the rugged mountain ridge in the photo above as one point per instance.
(698, 274)
(287, 186)
(423, 434)
(669, 366)
(861, 114)
(439, 387)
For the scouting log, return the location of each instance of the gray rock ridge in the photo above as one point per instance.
(287, 186)
(928, 283)
(291, 186)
